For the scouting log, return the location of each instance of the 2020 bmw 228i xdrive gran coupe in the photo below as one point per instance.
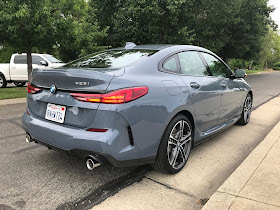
(146, 104)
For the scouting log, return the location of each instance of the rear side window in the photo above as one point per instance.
(20, 59)
(170, 64)
(217, 68)
(110, 59)
(191, 64)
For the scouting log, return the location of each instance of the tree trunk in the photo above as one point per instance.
(29, 64)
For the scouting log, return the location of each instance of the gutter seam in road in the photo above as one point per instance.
(171, 188)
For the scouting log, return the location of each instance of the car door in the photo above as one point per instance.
(205, 90)
(18, 68)
(231, 94)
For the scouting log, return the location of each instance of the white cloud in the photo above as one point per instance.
(276, 14)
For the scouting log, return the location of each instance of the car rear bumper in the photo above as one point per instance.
(112, 146)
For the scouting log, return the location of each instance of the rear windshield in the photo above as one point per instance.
(110, 59)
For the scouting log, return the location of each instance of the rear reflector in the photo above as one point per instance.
(32, 89)
(97, 130)
(115, 97)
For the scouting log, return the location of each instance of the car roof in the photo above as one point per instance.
(164, 46)
(31, 53)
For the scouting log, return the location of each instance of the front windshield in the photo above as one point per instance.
(52, 59)
(110, 59)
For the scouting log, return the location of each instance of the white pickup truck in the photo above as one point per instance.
(16, 70)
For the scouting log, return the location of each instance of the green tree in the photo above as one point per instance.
(145, 21)
(232, 29)
(42, 24)
(270, 50)
(248, 30)
(5, 53)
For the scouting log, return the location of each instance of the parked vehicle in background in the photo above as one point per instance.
(138, 105)
(16, 70)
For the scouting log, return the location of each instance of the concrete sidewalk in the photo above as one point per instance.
(12, 101)
(256, 182)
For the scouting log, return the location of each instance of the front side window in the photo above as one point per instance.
(110, 59)
(217, 68)
(37, 59)
(191, 64)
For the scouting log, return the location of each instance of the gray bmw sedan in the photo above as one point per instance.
(146, 104)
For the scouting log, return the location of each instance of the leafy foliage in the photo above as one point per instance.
(48, 25)
(276, 66)
(233, 29)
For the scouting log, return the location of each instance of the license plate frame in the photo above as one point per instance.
(55, 113)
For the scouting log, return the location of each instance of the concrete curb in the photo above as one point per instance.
(12, 101)
(231, 192)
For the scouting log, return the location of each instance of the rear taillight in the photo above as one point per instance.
(115, 97)
(32, 89)
(97, 130)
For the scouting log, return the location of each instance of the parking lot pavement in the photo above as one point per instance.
(209, 165)
(33, 177)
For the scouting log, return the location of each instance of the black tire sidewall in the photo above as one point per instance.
(4, 81)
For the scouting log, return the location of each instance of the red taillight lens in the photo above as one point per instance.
(97, 130)
(32, 89)
(115, 97)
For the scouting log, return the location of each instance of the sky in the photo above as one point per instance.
(276, 14)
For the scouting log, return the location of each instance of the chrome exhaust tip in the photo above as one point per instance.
(28, 138)
(92, 163)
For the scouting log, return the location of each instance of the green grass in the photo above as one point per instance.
(13, 92)
(254, 71)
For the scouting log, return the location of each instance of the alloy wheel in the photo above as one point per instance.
(247, 108)
(179, 144)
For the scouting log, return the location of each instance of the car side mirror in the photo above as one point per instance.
(43, 63)
(239, 73)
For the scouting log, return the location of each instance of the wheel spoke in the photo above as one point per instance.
(184, 137)
(182, 125)
(186, 141)
(184, 157)
(173, 142)
(174, 156)
(172, 138)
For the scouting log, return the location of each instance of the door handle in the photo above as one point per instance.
(195, 85)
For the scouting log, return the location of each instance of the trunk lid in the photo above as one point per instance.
(75, 79)
(78, 114)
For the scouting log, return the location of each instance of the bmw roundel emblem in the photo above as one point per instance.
(53, 89)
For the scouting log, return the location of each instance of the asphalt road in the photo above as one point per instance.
(33, 177)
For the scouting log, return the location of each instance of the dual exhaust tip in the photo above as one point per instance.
(28, 138)
(91, 161)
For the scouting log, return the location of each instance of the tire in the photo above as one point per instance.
(246, 111)
(19, 84)
(3, 82)
(174, 148)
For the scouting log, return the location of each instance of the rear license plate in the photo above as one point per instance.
(55, 113)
